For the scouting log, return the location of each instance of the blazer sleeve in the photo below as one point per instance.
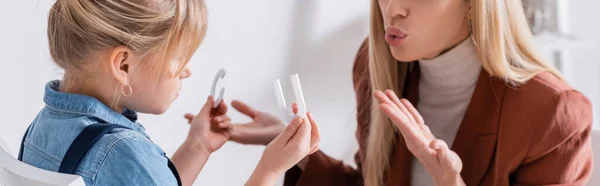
(324, 170)
(560, 152)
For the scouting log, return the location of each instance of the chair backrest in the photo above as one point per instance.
(595, 180)
(16, 173)
(4, 145)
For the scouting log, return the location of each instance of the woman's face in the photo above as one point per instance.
(422, 29)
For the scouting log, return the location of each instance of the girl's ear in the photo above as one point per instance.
(120, 62)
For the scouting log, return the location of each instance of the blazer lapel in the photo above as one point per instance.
(475, 141)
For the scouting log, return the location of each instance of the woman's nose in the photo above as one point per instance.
(396, 8)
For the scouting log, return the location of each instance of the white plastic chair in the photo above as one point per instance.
(595, 180)
(16, 173)
(3, 145)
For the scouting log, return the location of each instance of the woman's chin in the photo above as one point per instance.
(402, 57)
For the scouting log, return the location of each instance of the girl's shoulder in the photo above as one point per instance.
(51, 135)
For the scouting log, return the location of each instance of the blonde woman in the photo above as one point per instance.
(128, 56)
(480, 106)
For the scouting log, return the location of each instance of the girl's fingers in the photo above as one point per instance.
(222, 109)
(289, 131)
(223, 122)
(221, 118)
(226, 125)
(207, 108)
(295, 108)
(302, 136)
(315, 136)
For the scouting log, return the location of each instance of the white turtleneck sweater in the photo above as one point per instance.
(446, 85)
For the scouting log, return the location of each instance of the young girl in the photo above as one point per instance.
(128, 56)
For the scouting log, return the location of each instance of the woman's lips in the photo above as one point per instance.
(395, 37)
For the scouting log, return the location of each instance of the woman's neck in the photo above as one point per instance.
(455, 68)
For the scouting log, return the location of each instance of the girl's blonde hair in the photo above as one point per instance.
(505, 49)
(157, 30)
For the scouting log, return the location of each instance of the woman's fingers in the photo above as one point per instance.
(418, 118)
(244, 134)
(392, 96)
(382, 98)
(420, 123)
(244, 109)
(315, 136)
(402, 112)
(189, 117)
(401, 122)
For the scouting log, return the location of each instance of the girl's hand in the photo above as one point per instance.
(210, 128)
(263, 128)
(299, 139)
(205, 136)
(442, 163)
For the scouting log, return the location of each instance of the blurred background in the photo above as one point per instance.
(259, 41)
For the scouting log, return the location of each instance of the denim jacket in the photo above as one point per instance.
(121, 157)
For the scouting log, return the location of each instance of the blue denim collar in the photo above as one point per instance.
(87, 105)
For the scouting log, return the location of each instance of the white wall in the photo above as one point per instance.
(585, 63)
(257, 42)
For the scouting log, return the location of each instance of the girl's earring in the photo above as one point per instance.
(130, 90)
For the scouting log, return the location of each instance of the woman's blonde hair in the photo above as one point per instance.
(505, 49)
(157, 30)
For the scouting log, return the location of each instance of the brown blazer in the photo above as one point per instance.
(536, 134)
